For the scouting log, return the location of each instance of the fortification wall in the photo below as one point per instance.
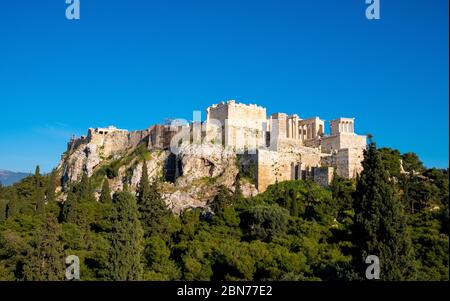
(323, 175)
(341, 141)
(111, 142)
(349, 160)
(243, 125)
(346, 161)
(273, 166)
(284, 165)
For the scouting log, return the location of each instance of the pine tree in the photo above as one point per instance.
(40, 201)
(238, 189)
(45, 258)
(11, 208)
(37, 173)
(84, 190)
(51, 187)
(221, 200)
(3, 207)
(70, 208)
(39, 193)
(152, 209)
(105, 196)
(126, 239)
(294, 204)
(380, 227)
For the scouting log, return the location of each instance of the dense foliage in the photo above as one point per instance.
(296, 230)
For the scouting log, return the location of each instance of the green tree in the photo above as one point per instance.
(391, 160)
(45, 259)
(294, 205)
(342, 192)
(11, 207)
(105, 196)
(153, 211)
(39, 194)
(264, 222)
(222, 200)
(160, 266)
(411, 162)
(40, 201)
(380, 224)
(70, 208)
(126, 239)
(3, 207)
(37, 173)
(238, 189)
(51, 187)
(84, 189)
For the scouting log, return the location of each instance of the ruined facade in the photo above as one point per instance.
(287, 147)
(280, 146)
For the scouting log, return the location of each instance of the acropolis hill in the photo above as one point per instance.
(235, 139)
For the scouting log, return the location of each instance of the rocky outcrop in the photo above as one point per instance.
(84, 154)
(82, 160)
(155, 167)
(206, 161)
(248, 189)
(199, 169)
(131, 173)
(179, 201)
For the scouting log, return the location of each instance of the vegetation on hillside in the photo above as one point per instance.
(296, 230)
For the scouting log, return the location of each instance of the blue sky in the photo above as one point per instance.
(134, 63)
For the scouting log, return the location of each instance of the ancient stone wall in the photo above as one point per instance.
(272, 167)
(278, 126)
(349, 162)
(285, 164)
(243, 125)
(160, 136)
(285, 147)
(340, 141)
(346, 161)
(323, 175)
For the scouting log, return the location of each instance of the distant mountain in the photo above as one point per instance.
(10, 177)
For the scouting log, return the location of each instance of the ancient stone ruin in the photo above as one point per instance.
(279, 147)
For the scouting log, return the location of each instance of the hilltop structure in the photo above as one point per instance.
(287, 147)
(277, 147)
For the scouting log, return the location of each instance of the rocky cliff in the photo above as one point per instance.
(186, 180)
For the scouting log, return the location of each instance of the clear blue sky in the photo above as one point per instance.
(133, 63)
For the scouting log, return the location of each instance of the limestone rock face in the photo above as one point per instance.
(249, 190)
(202, 169)
(199, 170)
(207, 161)
(84, 159)
(84, 154)
(155, 168)
(180, 201)
(92, 158)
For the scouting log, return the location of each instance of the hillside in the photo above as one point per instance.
(130, 221)
(187, 180)
(10, 177)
